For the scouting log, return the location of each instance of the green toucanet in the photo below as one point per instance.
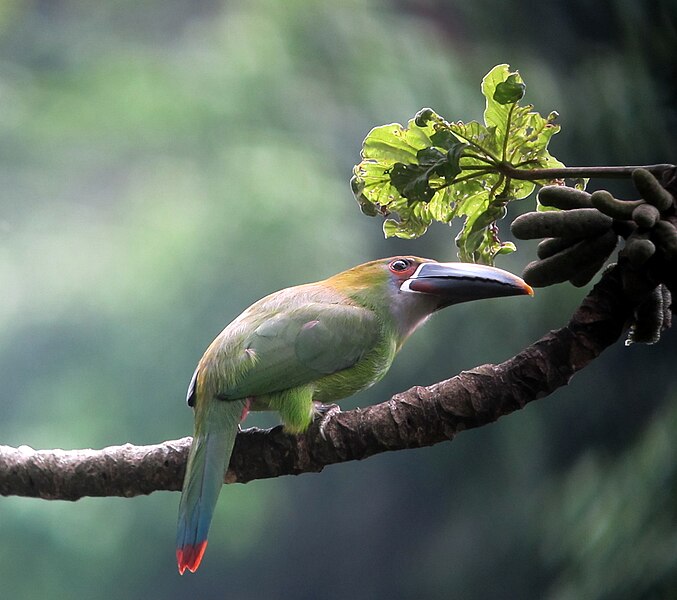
(318, 342)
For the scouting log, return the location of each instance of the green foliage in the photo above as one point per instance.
(610, 525)
(435, 170)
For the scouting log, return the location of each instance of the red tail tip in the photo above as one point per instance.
(189, 557)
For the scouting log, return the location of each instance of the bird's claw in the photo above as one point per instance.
(323, 413)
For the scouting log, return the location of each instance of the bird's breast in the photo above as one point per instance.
(365, 373)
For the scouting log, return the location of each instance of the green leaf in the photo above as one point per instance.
(510, 91)
(496, 113)
(413, 181)
(444, 138)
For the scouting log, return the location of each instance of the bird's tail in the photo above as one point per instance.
(216, 427)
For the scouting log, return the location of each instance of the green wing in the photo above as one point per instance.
(294, 347)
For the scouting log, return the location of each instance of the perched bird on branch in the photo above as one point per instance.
(310, 344)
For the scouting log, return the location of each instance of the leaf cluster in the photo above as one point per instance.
(435, 170)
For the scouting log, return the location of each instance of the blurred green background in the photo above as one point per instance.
(164, 164)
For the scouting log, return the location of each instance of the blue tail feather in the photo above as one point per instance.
(207, 463)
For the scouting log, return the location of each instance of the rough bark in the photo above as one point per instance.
(421, 416)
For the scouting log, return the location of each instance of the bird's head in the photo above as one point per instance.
(412, 288)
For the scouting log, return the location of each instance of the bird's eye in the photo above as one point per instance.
(400, 265)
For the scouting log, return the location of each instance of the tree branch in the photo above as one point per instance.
(421, 416)
(624, 172)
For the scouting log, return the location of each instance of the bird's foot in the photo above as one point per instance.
(245, 412)
(323, 413)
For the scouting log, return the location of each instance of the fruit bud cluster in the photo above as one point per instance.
(581, 236)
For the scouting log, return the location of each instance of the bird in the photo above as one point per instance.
(303, 347)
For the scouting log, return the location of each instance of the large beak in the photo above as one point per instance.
(454, 283)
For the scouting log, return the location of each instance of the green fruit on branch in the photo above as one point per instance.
(649, 319)
(571, 261)
(651, 190)
(575, 223)
(564, 197)
(613, 207)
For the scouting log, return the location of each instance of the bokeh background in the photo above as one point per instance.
(163, 164)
